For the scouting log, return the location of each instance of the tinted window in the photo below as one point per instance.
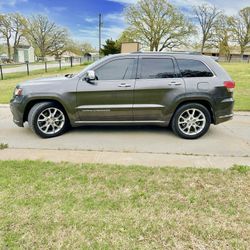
(193, 68)
(115, 70)
(157, 68)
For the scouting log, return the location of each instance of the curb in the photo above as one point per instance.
(123, 158)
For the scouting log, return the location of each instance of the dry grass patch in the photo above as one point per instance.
(51, 206)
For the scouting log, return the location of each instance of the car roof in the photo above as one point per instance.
(178, 55)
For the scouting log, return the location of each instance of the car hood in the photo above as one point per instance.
(45, 80)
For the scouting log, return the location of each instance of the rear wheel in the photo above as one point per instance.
(47, 119)
(191, 121)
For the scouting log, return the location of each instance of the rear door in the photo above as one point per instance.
(157, 86)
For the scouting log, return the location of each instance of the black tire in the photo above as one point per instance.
(178, 129)
(34, 113)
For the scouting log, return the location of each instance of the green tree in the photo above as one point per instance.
(221, 36)
(6, 31)
(110, 47)
(18, 27)
(12, 29)
(240, 26)
(158, 25)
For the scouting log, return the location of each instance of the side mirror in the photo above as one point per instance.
(90, 76)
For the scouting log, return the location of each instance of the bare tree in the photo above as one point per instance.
(46, 36)
(241, 29)
(6, 31)
(158, 24)
(207, 17)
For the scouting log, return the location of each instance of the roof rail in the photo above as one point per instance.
(167, 52)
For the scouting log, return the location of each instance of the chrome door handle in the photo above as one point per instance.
(124, 85)
(175, 83)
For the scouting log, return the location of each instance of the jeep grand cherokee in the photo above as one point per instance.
(187, 92)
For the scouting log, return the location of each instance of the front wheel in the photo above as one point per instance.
(191, 121)
(47, 119)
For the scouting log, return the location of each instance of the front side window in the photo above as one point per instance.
(116, 70)
(193, 68)
(157, 68)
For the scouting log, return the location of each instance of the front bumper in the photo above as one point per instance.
(17, 111)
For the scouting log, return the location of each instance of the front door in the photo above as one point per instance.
(110, 97)
(158, 84)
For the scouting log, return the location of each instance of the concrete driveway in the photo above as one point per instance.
(223, 146)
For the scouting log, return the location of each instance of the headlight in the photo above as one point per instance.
(18, 91)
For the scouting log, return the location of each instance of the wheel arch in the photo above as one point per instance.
(203, 102)
(32, 102)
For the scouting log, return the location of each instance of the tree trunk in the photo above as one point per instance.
(8, 46)
(151, 46)
(202, 47)
(242, 50)
(15, 53)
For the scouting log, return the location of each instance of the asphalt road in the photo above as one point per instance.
(230, 140)
(23, 67)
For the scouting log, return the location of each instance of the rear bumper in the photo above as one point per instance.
(224, 118)
(224, 110)
(17, 112)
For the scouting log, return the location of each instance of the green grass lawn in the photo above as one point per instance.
(67, 206)
(240, 72)
(11, 80)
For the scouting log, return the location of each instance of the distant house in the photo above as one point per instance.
(66, 55)
(24, 53)
(234, 54)
(89, 56)
(3, 57)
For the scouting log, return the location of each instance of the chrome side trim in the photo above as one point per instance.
(226, 116)
(120, 106)
(116, 122)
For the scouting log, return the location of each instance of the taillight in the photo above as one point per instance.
(230, 85)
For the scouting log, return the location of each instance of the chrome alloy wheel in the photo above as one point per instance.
(192, 121)
(51, 120)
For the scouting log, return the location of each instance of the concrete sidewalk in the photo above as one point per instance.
(123, 158)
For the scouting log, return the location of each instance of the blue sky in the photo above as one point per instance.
(81, 16)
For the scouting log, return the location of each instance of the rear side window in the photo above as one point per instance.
(157, 68)
(116, 70)
(193, 68)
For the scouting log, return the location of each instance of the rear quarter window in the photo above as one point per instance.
(193, 68)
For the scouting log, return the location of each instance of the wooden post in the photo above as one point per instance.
(28, 70)
(1, 69)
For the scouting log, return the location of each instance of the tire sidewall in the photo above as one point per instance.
(180, 110)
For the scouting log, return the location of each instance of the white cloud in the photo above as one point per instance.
(114, 17)
(11, 3)
(230, 8)
(91, 19)
(123, 1)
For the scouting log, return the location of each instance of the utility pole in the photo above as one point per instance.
(100, 33)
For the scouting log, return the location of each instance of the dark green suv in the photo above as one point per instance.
(188, 92)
